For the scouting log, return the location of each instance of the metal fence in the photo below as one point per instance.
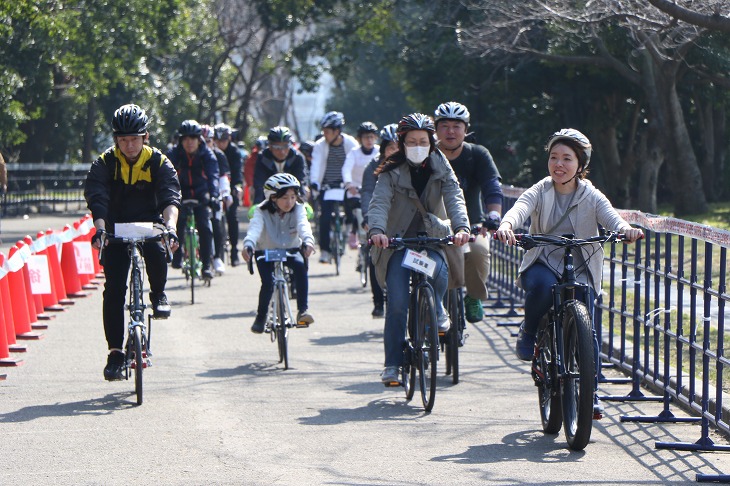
(661, 318)
(44, 188)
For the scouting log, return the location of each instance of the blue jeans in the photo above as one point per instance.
(396, 315)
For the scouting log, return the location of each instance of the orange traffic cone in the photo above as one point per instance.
(50, 301)
(6, 308)
(22, 317)
(70, 269)
(54, 261)
(5, 359)
(86, 279)
(37, 298)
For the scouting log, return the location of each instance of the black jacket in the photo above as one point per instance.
(265, 168)
(118, 193)
(198, 174)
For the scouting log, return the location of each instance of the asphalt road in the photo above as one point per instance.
(220, 409)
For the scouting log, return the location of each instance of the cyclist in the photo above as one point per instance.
(388, 146)
(564, 202)
(197, 168)
(131, 182)
(278, 157)
(480, 181)
(224, 189)
(328, 157)
(352, 170)
(280, 222)
(250, 165)
(306, 149)
(222, 135)
(417, 176)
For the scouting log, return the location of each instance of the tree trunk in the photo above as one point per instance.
(87, 153)
(652, 158)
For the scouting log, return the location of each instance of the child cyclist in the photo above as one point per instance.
(280, 221)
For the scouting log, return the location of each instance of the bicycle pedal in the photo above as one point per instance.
(442, 333)
(597, 415)
(392, 384)
(301, 325)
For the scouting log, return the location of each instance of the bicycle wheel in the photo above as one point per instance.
(455, 334)
(427, 351)
(138, 362)
(545, 374)
(335, 246)
(190, 243)
(577, 388)
(363, 264)
(282, 331)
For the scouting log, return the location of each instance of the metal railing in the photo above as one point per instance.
(43, 188)
(661, 319)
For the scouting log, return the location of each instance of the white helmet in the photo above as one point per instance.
(452, 111)
(277, 182)
(574, 135)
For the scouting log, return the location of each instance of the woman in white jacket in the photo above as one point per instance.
(280, 222)
(564, 202)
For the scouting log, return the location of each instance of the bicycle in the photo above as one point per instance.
(338, 238)
(422, 346)
(363, 263)
(279, 318)
(564, 365)
(192, 266)
(137, 350)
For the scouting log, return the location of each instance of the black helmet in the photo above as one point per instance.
(367, 127)
(575, 136)
(306, 148)
(130, 120)
(416, 121)
(190, 128)
(389, 133)
(333, 119)
(452, 111)
(222, 131)
(279, 134)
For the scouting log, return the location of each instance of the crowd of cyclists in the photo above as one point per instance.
(414, 176)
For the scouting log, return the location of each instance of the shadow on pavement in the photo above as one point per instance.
(94, 406)
(245, 369)
(380, 409)
(366, 336)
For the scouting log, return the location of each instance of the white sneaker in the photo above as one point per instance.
(444, 322)
(325, 257)
(219, 266)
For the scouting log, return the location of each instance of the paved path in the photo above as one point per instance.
(219, 409)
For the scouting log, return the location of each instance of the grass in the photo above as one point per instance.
(718, 216)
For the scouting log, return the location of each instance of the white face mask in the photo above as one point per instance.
(416, 155)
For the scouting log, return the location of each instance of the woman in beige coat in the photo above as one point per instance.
(417, 171)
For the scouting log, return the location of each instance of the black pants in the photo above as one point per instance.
(378, 297)
(116, 272)
(232, 222)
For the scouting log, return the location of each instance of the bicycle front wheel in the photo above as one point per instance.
(428, 348)
(545, 374)
(364, 265)
(138, 362)
(577, 389)
(455, 334)
(282, 331)
(335, 247)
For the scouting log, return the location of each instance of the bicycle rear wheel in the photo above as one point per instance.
(363, 264)
(577, 388)
(545, 374)
(138, 361)
(427, 350)
(282, 331)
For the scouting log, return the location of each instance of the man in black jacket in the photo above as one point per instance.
(131, 182)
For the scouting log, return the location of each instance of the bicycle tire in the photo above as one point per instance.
(335, 247)
(192, 260)
(428, 346)
(138, 362)
(545, 374)
(454, 336)
(577, 388)
(409, 362)
(282, 330)
(364, 265)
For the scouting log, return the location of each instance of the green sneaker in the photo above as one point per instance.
(473, 309)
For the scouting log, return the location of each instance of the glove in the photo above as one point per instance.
(493, 221)
(172, 237)
(96, 239)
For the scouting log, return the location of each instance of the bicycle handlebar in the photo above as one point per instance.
(528, 241)
(299, 250)
(397, 242)
(110, 238)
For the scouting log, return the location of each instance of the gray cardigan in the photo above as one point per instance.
(591, 209)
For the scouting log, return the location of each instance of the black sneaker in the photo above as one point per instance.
(378, 312)
(207, 274)
(234, 257)
(114, 366)
(258, 324)
(160, 307)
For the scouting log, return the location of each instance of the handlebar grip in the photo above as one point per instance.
(250, 260)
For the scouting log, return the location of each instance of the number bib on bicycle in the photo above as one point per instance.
(420, 262)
